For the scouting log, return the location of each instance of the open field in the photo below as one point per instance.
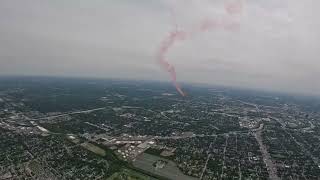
(94, 148)
(145, 162)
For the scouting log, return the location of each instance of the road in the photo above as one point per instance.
(205, 165)
(272, 170)
(224, 157)
(200, 135)
(70, 113)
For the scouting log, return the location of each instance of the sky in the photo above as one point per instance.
(276, 45)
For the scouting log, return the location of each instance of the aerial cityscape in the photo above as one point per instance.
(159, 90)
(68, 128)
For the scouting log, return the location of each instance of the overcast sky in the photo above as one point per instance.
(275, 47)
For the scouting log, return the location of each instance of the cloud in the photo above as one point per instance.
(276, 46)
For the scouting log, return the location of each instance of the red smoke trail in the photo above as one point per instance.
(165, 46)
(232, 8)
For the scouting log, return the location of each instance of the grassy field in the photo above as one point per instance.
(171, 171)
(157, 152)
(93, 148)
